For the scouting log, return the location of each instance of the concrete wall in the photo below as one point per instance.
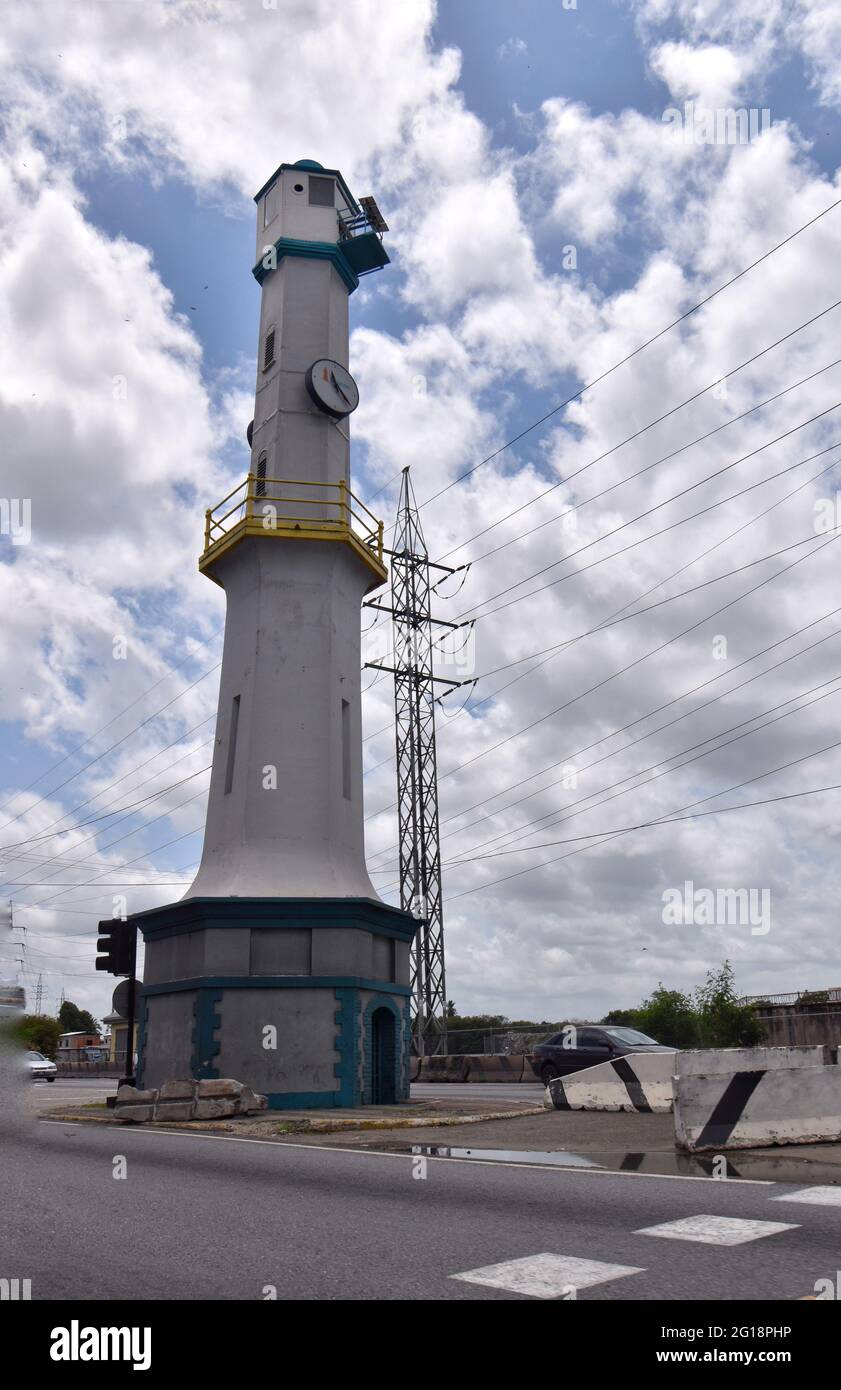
(790, 1027)
(267, 950)
(302, 1061)
(168, 1037)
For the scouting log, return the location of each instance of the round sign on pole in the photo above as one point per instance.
(120, 999)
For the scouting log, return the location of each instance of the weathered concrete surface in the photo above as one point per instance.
(406, 1114)
(641, 1082)
(523, 1130)
(714, 1061)
(187, 1100)
(749, 1109)
(494, 1068)
(445, 1069)
(474, 1067)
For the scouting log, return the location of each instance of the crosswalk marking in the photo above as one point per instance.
(546, 1275)
(814, 1196)
(716, 1230)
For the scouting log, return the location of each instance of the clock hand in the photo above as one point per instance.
(338, 388)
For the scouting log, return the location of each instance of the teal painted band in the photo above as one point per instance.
(346, 1070)
(310, 250)
(217, 982)
(305, 1100)
(197, 914)
(205, 1045)
(143, 1018)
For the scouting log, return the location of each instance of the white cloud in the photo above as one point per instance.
(712, 73)
(513, 48)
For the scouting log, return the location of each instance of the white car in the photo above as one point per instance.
(41, 1067)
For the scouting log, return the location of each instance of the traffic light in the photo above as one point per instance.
(118, 943)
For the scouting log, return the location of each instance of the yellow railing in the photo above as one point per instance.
(292, 508)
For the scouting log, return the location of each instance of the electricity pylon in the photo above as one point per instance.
(417, 771)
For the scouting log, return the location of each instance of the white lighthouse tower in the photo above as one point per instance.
(281, 967)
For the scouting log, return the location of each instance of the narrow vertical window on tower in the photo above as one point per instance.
(232, 745)
(260, 489)
(268, 349)
(346, 749)
(270, 205)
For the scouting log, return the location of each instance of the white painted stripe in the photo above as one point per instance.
(547, 1275)
(432, 1158)
(814, 1196)
(716, 1230)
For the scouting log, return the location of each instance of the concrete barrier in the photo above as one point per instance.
(758, 1106)
(493, 1068)
(719, 1060)
(641, 1083)
(445, 1069)
(415, 1068)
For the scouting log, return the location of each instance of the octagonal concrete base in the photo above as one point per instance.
(307, 1001)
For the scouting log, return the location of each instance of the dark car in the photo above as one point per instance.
(580, 1045)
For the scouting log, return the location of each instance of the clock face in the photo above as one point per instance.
(332, 388)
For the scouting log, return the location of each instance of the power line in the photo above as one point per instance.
(630, 666)
(164, 815)
(642, 540)
(631, 477)
(190, 656)
(562, 482)
(647, 825)
(106, 815)
(629, 356)
(666, 501)
(542, 420)
(661, 820)
(557, 648)
(69, 887)
(651, 733)
(561, 814)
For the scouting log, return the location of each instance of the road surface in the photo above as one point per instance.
(206, 1216)
(67, 1090)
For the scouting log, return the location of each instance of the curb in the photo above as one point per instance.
(303, 1126)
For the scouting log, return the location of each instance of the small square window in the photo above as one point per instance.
(322, 193)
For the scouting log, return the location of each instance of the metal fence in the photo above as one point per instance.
(829, 996)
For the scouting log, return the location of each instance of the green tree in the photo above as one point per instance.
(76, 1020)
(467, 1035)
(41, 1033)
(623, 1018)
(722, 1020)
(669, 1018)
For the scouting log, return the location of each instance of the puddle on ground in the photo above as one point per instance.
(783, 1167)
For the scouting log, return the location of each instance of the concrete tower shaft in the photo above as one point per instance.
(285, 809)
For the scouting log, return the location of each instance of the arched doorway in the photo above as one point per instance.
(383, 1058)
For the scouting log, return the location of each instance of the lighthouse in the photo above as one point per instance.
(281, 967)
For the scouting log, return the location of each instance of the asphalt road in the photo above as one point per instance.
(67, 1090)
(225, 1218)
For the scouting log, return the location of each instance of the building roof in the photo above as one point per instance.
(313, 166)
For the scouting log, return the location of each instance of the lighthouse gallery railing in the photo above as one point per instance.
(295, 508)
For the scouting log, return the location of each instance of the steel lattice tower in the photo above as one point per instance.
(417, 773)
